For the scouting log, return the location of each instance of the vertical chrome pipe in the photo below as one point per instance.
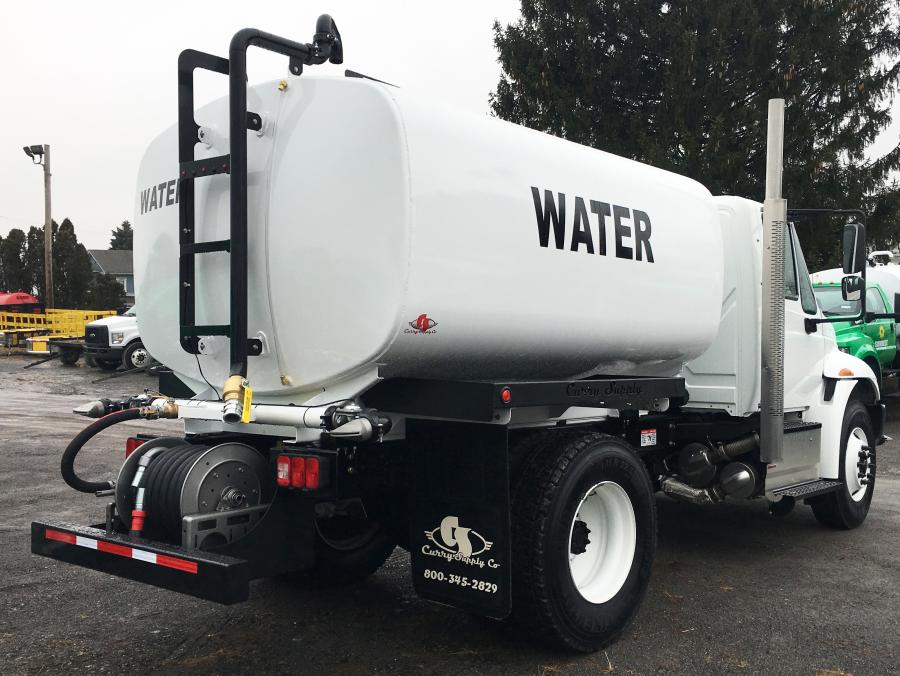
(772, 330)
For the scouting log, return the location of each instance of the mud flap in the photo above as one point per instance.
(460, 522)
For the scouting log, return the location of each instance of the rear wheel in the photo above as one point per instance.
(348, 550)
(69, 357)
(584, 538)
(847, 507)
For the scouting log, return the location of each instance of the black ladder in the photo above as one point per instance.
(326, 46)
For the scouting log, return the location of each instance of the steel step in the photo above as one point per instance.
(791, 426)
(809, 490)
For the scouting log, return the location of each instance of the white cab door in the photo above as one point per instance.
(804, 352)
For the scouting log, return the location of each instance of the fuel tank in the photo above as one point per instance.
(390, 235)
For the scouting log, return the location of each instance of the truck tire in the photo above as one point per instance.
(348, 550)
(135, 356)
(847, 507)
(583, 539)
(108, 364)
(90, 361)
(69, 357)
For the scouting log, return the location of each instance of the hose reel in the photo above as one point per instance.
(196, 495)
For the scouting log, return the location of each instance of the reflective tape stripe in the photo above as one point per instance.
(112, 548)
(85, 542)
(150, 557)
(122, 550)
(177, 564)
(59, 536)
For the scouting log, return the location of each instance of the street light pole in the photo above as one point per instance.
(41, 155)
(48, 233)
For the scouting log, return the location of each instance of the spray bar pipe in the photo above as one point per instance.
(308, 417)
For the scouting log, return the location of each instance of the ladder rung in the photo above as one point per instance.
(206, 167)
(206, 247)
(210, 330)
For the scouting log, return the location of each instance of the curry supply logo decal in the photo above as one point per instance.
(453, 542)
(626, 230)
(423, 324)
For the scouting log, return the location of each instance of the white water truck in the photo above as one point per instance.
(408, 326)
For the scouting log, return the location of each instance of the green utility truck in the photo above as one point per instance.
(875, 340)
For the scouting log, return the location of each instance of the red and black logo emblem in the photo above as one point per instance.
(422, 324)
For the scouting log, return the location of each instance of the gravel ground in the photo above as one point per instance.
(734, 590)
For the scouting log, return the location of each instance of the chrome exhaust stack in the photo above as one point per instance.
(771, 405)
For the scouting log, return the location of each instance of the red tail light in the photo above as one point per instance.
(312, 473)
(131, 444)
(283, 470)
(298, 472)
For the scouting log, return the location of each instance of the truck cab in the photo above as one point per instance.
(114, 341)
(874, 341)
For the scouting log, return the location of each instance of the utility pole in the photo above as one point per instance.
(48, 233)
(41, 155)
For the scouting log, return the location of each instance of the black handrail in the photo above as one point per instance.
(326, 46)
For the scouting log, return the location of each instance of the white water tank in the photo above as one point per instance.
(393, 235)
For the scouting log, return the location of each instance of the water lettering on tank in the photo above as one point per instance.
(552, 212)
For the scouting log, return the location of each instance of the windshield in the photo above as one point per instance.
(131, 312)
(832, 302)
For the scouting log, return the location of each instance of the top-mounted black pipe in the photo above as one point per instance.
(325, 46)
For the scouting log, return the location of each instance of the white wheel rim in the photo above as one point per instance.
(857, 464)
(600, 570)
(138, 357)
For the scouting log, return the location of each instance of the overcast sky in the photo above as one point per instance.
(97, 81)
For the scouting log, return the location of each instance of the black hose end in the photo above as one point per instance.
(67, 462)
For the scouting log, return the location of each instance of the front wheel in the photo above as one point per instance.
(108, 364)
(135, 356)
(584, 539)
(847, 507)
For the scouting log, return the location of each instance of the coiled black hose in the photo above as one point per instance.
(67, 465)
(164, 480)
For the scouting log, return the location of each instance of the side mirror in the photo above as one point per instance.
(854, 249)
(852, 287)
(896, 307)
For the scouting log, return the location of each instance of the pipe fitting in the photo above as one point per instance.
(233, 396)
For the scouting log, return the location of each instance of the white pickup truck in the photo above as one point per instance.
(115, 341)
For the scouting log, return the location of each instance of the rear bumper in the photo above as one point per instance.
(213, 577)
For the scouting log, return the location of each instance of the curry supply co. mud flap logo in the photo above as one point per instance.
(422, 324)
(453, 542)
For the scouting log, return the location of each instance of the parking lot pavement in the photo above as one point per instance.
(734, 590)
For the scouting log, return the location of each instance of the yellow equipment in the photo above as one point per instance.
(33, 331)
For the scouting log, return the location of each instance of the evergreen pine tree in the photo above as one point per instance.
(72, 273)
(105, 293)
(684, 85)
(13, 274)
(122, 237)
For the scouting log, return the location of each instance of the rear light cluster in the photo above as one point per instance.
(132, 443)
(297, 471)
